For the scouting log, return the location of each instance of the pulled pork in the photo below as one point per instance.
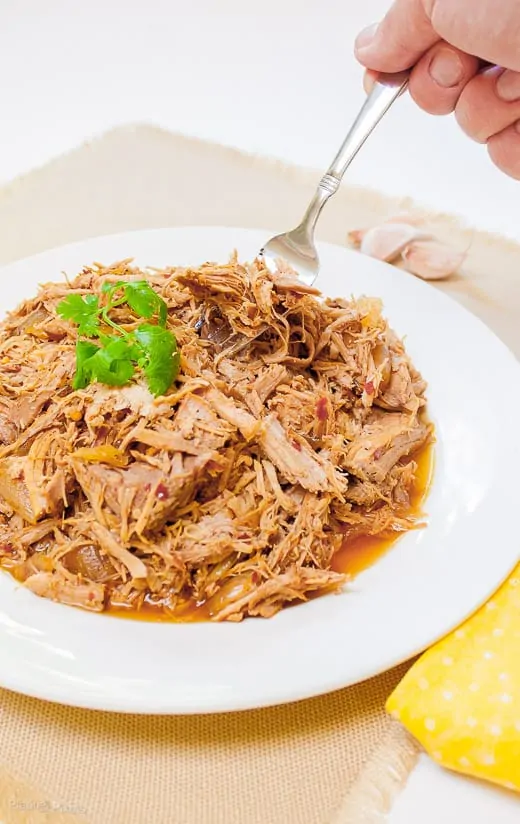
(291, 428)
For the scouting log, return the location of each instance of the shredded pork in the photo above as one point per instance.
(291, 427)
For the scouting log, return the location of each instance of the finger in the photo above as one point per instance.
(489, 104)
(504, 150)
(488, 28)
(440, 76)
(399, 40)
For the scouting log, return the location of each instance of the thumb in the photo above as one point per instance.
(398, 42)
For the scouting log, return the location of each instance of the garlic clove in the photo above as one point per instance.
(387, 241)
(432, 260)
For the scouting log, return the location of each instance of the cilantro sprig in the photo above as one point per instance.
(114, 358)
(82, 310)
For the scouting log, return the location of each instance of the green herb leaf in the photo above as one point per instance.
(144, 301)
(84, 352)
(113, 363)
(82, 310)
(152, 348)
(121, 347)
(160, 359)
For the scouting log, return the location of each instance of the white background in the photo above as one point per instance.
(274, 77)
(270, 76)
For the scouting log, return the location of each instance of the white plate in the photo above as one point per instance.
(427, 584)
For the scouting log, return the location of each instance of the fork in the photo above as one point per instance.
(297, 247)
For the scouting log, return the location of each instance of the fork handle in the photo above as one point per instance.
(386, 90)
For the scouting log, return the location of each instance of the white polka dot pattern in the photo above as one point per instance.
(461, 700)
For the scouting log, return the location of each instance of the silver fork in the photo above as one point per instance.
(297, 247)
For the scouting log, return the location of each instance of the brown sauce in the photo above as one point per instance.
(354, 556)
(358, 554)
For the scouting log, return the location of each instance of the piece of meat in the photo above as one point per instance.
(292, 456)
(56, 491)
(50, 585)
(297, 462)
(403, 477)
(26, 500)
(144, 497)
(399, 394)
(168, 440)
(227, 409)
(35, 317)
(196, 421)
(27, 409)
(383, 443)
(8, 430)
(286, 502)
(211, 281)
(212, 539)
(296, 584)
(290, 282)
(394, 490)
(33, 534)
(268, 380)
(382, 520)
(109, 544)
(364, 493)
(136, 397)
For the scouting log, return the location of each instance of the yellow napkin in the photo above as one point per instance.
(461, 700)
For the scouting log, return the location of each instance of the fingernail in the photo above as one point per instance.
(369, 81)
(366, 37)
(508, 86)
(447, 69)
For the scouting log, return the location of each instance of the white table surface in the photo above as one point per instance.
(274, 77)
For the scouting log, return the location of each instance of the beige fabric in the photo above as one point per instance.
(285, 765)
(331, 760)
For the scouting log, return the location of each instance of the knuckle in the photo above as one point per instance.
(467, 117)
(504, 151)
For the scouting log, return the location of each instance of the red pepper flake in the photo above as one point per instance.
(322, 411)
(297, 445)
(91, 596)
(255, 578)
(369, 387)
(7, 549)
(377, 454)
(161, 492)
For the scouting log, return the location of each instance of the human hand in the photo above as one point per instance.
(466, 59)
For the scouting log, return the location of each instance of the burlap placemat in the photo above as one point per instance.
(331, 760)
